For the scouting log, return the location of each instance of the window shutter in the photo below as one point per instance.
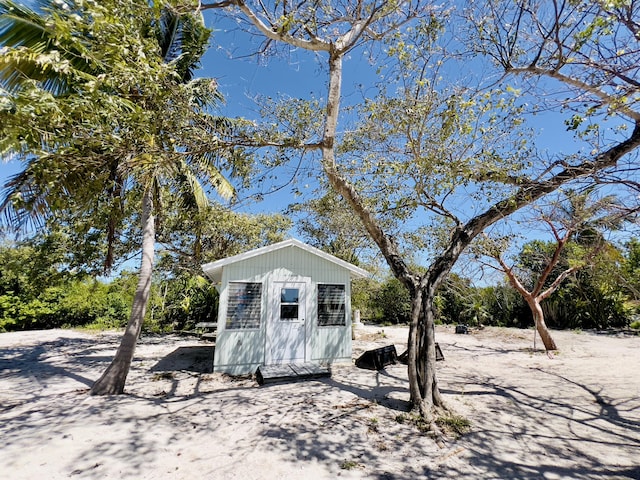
(331, 305)
(244, 306)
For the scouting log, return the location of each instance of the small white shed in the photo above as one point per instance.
(284, 303)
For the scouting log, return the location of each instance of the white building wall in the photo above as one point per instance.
(242, 351)
(238, 351)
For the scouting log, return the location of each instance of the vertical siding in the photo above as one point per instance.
(333, 343)
(243, 351)
(238, 351)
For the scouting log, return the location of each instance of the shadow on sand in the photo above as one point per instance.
(197, 359)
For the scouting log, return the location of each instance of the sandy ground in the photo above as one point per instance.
(576, 416)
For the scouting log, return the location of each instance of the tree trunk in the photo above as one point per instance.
(113, 379)
(423, 387)
(413, 351)
(423, 384)
(541, 326)
(432, 392)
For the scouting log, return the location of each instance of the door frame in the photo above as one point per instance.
(273, 316)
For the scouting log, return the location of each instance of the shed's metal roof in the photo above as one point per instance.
(214, 269)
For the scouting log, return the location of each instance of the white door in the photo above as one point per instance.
(286, 338)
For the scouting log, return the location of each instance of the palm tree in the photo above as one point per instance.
(119, 119)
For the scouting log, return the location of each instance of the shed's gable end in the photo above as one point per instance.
(266, 255)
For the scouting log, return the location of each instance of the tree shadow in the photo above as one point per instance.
(197, 359)
(387, 387)
(48, 362)
(608, 408)
(568, 430)
(223, 427)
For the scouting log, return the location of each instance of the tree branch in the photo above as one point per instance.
(556, 283)
(579, 84)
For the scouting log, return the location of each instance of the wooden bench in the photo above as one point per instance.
(207, 330)
(291, 372)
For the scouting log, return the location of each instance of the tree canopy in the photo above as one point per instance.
(87, 113)
(429, 150)
(100, 106)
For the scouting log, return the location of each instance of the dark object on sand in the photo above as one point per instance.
(378, 359)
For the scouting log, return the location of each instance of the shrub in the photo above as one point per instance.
(394, 302)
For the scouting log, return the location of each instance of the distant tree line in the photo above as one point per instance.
(40, 289)
(603, 296)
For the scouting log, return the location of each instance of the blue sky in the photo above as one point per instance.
(297, 75)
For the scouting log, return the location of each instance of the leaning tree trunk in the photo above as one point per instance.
(113, 379)
(541, 326)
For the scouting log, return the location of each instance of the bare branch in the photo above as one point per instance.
(611, 101)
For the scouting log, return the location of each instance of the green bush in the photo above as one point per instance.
(179, 303)
(393, 302)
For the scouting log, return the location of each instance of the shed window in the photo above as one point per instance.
(244, 305)
(331, 305)
(289, 302)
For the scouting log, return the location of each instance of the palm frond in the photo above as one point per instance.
(21, 26)
(24, 200)
(195, 190)
(20, 29)
(203, 92)
(182, 39)
(32, 50)
(205, 165)
(169, 35)
(221, 185)
(48, 183)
